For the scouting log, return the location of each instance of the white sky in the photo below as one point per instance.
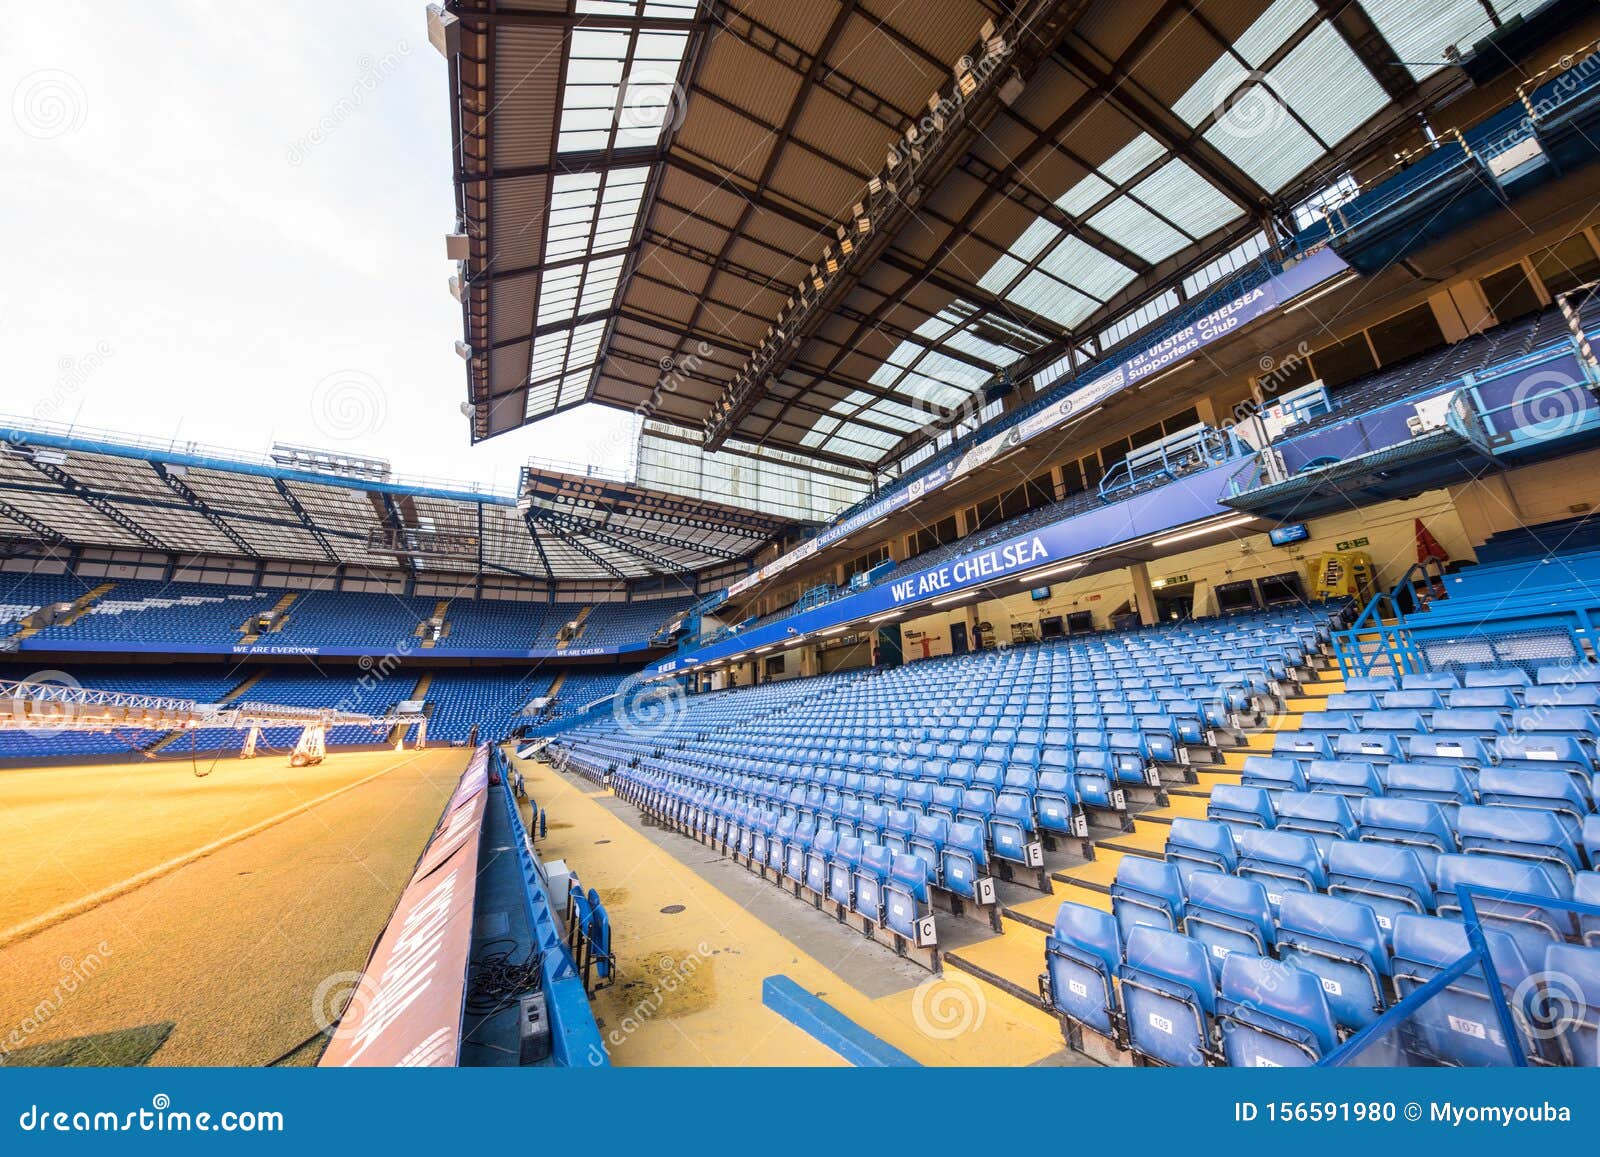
(211, 208)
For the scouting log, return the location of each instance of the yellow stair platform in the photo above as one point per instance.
(278, 608)
(440, 610)
(80, 605)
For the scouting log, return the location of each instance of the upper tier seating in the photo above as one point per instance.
(1438, 367)
(147, 613)
(22, 595)
(621, 624)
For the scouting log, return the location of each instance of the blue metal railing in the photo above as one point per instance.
(1392, 644)
(1477, 959)
(1168, 460)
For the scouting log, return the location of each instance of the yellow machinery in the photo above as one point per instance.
(1342, 574)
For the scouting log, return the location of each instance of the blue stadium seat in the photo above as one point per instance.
(1201, 845)
(1571, 991)
(842, 871)
(1537, 837)
(1429, 681)
(1169, 995)
(1273, 1015)
(1498, 699)
(1377, 749)
(1468, 723)
(1468, 752)
(905, 893)
(1435, 783)
(1388, 879)
(1548, 791)
(818, 858)
(1303, 746)
(966, 860)
(928, 840)
(1460, 1025)
(1422, 701)
(1491, 879)
(1578, 723)
(1146, 891)
(1341, 943)
(1082, 956)
(1322, 817)
(1543, 753)
(1408, 823)
(1239, 806)
(1354, 779)
(1281, 862)
(1228, 914)
(1271, 774)
(1057, 802)
(1011, 827)
(871, 881)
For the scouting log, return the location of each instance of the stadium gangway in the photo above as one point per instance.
(27, 705)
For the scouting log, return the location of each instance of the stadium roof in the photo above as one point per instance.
(79, 488)
(645, 186)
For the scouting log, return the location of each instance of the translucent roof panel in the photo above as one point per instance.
(1324, 81)
(621, 88)
(1419, 31)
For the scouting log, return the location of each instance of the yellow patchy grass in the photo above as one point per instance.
(244, 948)
(71, 833)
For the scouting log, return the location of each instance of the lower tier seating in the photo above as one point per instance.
(1338, 876)
(957, 768)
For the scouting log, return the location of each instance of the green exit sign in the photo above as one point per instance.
(1352, 544)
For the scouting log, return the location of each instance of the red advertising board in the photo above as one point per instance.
(406, 1011)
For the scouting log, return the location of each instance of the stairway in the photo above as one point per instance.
(440, 609)
(278, 608)
(80, 607)
(1014, 960)
(420, 691)
(582, 617)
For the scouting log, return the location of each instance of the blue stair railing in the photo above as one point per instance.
(1378, 641)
